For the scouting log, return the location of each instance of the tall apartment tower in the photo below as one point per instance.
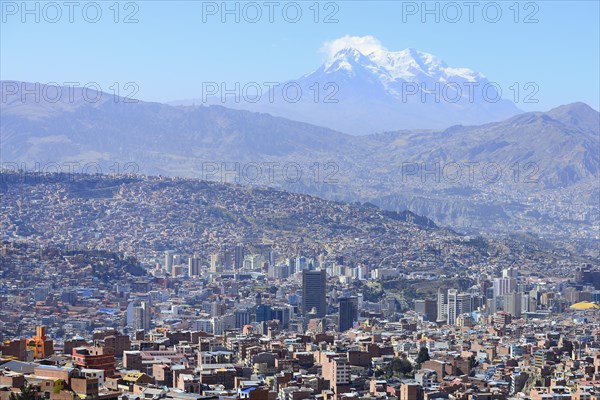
(193, 266)
(169, 260)
(239, 252)
(348, 312)
(242, 318)
(215, 262)
(458, 303)
(504, 286)
(452, 306)
(314, 287)
(442, 306)
(138, 315)
(513, 304)
(228, 258)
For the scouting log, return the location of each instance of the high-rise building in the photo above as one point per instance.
(465, 302)
(291, 262)
(169, 260)
(215, 262)
(272, 257)
(239, 252)
(228, 258)
(510, 272)
(314, 292)
(193, 266)
(458, 303)
(348, 312)
(427, 308)
(282, 314)
(254, 262)
(528, 303)
(301, 263)
(491, 306)
(361, 272)
(512, 304)
(264, 249)
(242, 318)
(281, 272)
(503, 286)
(264, 313)
(452, 307)
(138, 315)
(442, 306)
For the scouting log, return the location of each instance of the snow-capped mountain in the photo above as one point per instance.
(408, 65)
(363, 88)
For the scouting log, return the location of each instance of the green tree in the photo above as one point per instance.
(27, 393)
(401, 366)
(423, 356)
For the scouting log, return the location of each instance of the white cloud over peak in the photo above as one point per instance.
(408, 64)
(365, 44)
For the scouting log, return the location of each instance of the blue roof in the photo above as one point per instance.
(110, 311)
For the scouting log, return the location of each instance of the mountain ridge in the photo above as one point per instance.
(561, 146)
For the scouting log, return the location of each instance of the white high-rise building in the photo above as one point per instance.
(512, 304)
(456, 304)
(510, 272)
(442, 305)
(204, 325)
(504, 286)
(138, 315)
(452, 308)
(169, 261)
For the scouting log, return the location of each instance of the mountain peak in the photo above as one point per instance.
(346, 59)
(419, 56)
(349, 52)
(577, 107)
(577, 114)
(363, 87)
(409, 64)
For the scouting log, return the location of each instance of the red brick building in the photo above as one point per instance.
(95, 358)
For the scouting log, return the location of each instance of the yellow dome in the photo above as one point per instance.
(584, 305)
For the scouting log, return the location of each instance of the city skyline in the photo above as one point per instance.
(315, 200)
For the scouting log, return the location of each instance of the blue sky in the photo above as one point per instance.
(175, 46)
